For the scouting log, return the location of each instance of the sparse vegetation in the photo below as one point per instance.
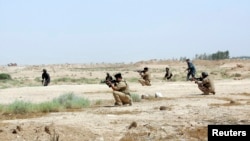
(156, 118)
(135, 97)
(98, 102)
(19, 107)
(71, 101)
(66, 101)
(78, 80)
(5, 76)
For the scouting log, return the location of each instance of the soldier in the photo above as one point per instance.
(45, 78)
(146, 76)
(120, 91)
(168, 74)
(205, 84)
(108, 77)
(191, 70)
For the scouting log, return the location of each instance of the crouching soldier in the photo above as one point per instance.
(205, 84)
(145, 77)
(120, 91)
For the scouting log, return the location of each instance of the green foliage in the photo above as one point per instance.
(5, 76)
(70, 101)
(136, 97)
(47, 107)
(66, 101)
(19, 107)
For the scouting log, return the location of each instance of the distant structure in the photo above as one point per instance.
(12, 64)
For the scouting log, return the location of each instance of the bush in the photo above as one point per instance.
(135, 97)
(19, 107)
(5, 76)
(66, 101)
(71, 101)
(47, 107)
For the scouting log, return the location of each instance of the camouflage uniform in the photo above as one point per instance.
(206, 85)
(121, 93)
(146, 76)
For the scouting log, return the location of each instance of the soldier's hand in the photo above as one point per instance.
(108, 82)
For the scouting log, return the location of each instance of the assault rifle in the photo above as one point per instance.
(196, 79)
(110, 82)
(140, 71)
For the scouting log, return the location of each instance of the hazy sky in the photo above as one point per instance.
(85, 31)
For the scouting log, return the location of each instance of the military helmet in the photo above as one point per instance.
(204, 74)
(118, 75)
(146, 68)
(44, 70)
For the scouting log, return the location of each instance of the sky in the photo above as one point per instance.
(34, 32)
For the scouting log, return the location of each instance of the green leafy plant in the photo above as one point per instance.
(5, 76)
(136, 97)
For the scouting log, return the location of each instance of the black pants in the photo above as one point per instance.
(46, 82)
(192, 73)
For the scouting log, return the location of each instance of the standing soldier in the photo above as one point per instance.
(191, 70)
(120, 91)
(168, 74)
(146, 76)
(205, 84)
(45, 78)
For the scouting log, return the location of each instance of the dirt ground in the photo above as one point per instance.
(185, 116)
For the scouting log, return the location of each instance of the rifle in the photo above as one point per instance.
(140, 71)
(110, 82)
(196, 79)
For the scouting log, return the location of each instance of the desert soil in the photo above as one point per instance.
(186, 115)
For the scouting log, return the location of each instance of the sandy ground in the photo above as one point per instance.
(186, 115)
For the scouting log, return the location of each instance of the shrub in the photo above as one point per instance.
(5, 76)
(47, 107)
(135, 97)
(71, 101)
(19, 107)
(66, 101)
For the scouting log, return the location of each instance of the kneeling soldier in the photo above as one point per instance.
(120, 91)
(205, 84)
